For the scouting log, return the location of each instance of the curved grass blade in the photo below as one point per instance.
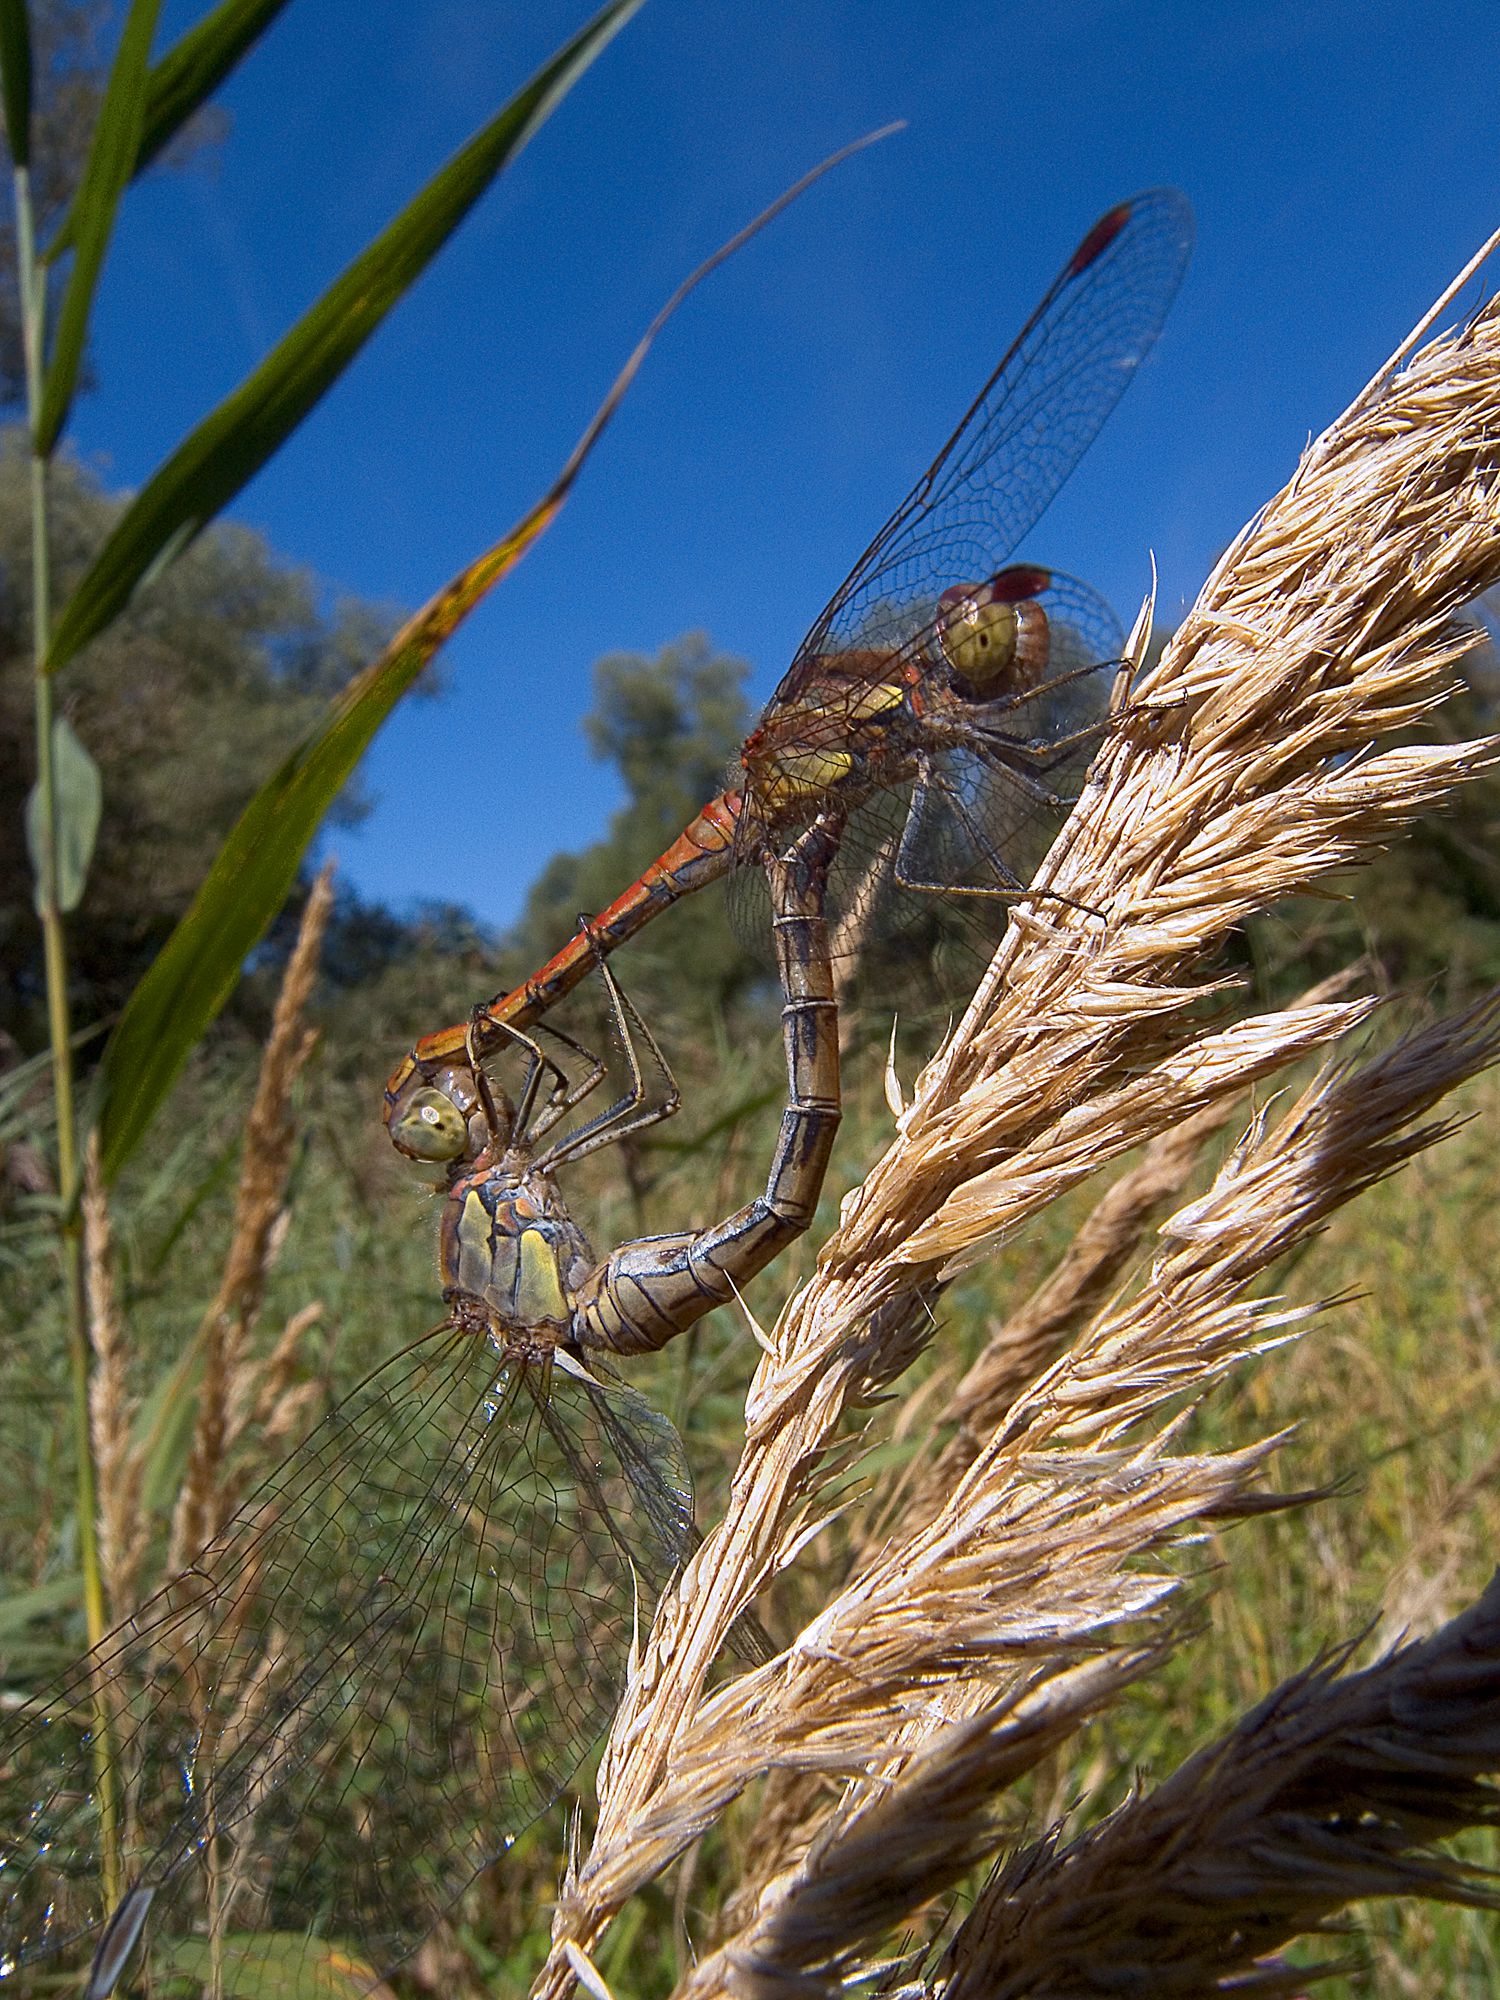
(182, 82)
(230, 446)
(196, 970)
(15, 78)
(106, 175)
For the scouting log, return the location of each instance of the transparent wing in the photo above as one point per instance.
(976, 818)
(389, 1664)
(1022, 436)
(984, 812)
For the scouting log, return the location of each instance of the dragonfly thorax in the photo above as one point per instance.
(843, 734)
(509, 1245)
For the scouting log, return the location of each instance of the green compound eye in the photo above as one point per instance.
(431, 1127)
(978, 635)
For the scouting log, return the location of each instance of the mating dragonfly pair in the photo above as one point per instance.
(399, 1651)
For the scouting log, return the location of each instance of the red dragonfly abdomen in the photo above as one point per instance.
(700, 854)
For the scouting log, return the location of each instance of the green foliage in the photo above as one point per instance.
(15, 78)
(188, 75)
(106, 174)
(234, 441)
(184, 703)
(63, 102)
(78, 799)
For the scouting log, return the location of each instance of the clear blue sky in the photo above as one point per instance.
(1343, 159)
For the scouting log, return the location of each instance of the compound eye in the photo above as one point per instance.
(430, 1127)
(978, 633)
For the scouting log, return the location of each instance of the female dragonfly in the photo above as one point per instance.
(398, 1652)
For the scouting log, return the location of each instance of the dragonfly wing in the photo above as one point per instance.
(1022, 436)
(657, 1490)
(632, 1459)
(389, 1664)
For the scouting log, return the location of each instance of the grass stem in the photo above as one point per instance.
(33, 281)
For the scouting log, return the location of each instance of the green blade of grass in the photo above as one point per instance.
(193, 68)
(185, 78)
(199, 965)
(15, 78)
(106, 175)
(230, 446)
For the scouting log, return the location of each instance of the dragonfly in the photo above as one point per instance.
(400, 1650)
(946, 699)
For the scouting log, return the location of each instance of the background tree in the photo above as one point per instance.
(188, 700)
(671, 727)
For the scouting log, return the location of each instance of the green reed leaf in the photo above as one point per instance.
(183, 81)
(80, 797)
(106, 175)
(15, 78)
(230, 446)
(197, 968)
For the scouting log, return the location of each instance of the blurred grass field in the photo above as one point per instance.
(1388, 1396)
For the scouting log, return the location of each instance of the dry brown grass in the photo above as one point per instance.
(1329, 1792)
(233, 1378)
(118, 1461)
(1248, 765)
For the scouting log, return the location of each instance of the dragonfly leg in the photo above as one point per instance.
(908, 871)
(1008, 889)
(630, 1113)
(645, 1292)
(565, 1092)
(702, 853)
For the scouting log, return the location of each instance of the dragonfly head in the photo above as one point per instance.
(437, 1116)
(994, 635)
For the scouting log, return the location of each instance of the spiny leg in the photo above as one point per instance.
(559, 1104)
(908, 870)
(565, 1092)
(626, 1114)
(1010, 891)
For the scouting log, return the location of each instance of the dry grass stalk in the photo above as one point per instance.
(935, 1821)
(791, 1806)
(1421, 1589)
(123, 1531)
(1095, 1260)
(1243, 770)
(209, 1495)
(1331, 1791)
(282, 1402)
(1028, 1559)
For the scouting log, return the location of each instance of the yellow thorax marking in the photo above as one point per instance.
(539, 1293)
(474, 1246)
(875, 698)
(797, 773)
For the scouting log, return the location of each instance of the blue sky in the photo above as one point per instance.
(1343, 159)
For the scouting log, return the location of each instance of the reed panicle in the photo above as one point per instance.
(1043, 1549)
(123, 1529)
(1244, 767)
(227, 1394)
(1331, 1791)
